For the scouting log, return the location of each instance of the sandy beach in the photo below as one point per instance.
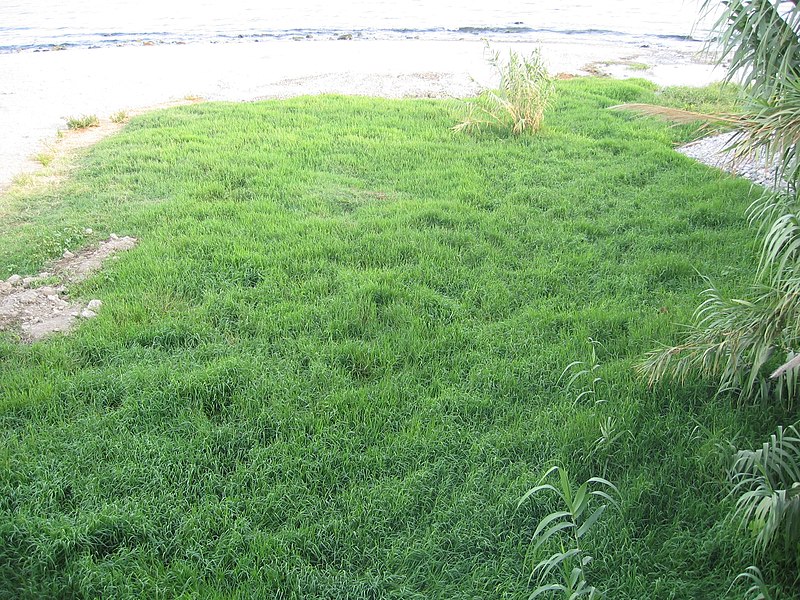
(40, 90)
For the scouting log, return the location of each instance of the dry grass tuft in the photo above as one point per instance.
(83, 122)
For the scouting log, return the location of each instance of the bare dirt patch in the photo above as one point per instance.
(39, 306)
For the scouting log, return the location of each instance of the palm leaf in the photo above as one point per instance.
(759, 41)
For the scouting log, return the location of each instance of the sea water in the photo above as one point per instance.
(35, 25)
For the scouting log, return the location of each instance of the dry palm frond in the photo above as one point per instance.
(790, 365)
(675, 115)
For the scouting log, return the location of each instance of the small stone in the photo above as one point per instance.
(88, 231)
(94, 304)
(27, 281)
(88, 314)
(53, 298)
(15, 280)
(113, 236)
(68, 254)
(73, 314)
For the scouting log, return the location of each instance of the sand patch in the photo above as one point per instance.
(425, 84)
(54, 161)
(39, 306)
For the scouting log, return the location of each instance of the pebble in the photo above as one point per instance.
(88, 314)
(114, 236)
(88, 231)
(15, 280)
(68, 254)
(94, 304)
(53, 298)
(27, 281)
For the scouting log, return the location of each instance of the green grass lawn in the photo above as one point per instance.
(331, 367)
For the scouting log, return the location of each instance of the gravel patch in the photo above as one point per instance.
(715, 151)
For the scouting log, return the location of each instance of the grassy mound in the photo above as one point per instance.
(331, 366)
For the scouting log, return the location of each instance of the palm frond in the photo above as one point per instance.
(767, 483)
(732, 341)
(759, 39)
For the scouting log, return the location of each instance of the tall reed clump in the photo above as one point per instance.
(519, 103)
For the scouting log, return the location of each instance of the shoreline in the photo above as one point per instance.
(42, 89)
(513, 34)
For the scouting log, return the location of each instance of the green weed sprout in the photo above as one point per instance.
(569, 528)
(758, 590)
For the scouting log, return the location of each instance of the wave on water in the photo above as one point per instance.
(589, 32)
(513, 33)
